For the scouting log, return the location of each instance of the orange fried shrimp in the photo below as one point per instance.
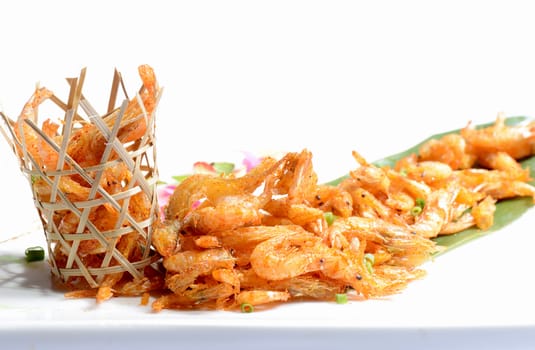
(165, 238)
(250, 280)
(307, 285)
(42, 152)
(296, 252)
(461, 223)
(398, 238)
(483, 213)
(504, 162)
(139, 206)
(171, 301)
(184, 270)
(210, 295)
(139, 286)
(228, 212)
(216, 293)
(304, 180)
(291, 253)
(496, 183)
(436, 213)
(87, 144)
(198, 262)
(137, 122)
(450, 149)
(333, 199)
(207, 241)
(231, 246)
(299, 214)
(395, 190)
(293, 176)
(178, 283)
(367, 205)
(371, 178)
(228, 276)
(517, 141)
(243, 240)
(69, 223)
(432, 173)
(115, 178)
(72, 189)
(310, 286)
(509, 189)
(415, 188)
(210, 188)
(50, 129)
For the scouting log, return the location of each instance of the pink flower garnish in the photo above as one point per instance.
(203, 168)
(164, 193)
(250, 161)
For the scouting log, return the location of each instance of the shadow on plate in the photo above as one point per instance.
(16, 272)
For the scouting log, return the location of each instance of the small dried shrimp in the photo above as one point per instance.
(275, 234)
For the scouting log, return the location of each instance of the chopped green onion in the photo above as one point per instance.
(247, 308)
(369, 260)
(223, 167)
(330, 217)
(420, 202)
(416, 210)
(369, 257)
(341, 298)
(34, 254)
(419, 207)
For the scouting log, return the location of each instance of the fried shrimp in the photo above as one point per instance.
(450, 150)
(271, 235)
(205, 187)
(42, 153)
(516, 141)
(291, 253)
(268, 230)
(228, 212)
(87, 144)
(275, 234)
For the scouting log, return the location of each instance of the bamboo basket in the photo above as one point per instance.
(71, 267)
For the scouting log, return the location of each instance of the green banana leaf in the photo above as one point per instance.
(507, 211)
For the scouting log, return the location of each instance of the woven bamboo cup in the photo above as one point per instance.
(72, 264)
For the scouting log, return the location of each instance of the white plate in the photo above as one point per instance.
(477, 296)
(374, 76)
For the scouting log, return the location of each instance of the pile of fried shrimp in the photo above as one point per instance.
(275, 235)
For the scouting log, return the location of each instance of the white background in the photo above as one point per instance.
(331, 76)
